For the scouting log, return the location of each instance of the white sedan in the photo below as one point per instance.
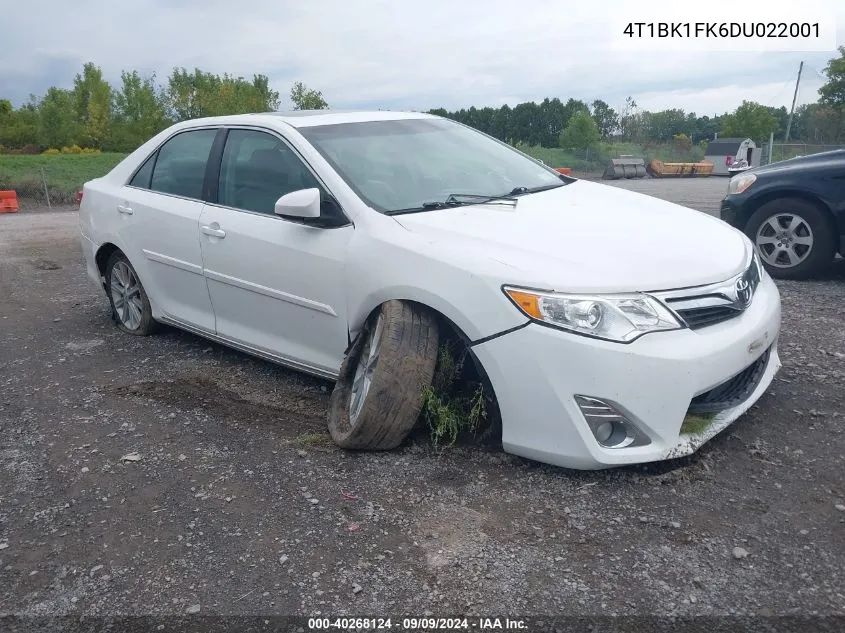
(350, 245)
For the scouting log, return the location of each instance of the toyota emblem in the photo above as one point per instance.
(743, 292)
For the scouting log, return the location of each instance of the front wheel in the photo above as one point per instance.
(794, 238)
(129, 302)
(379, 393)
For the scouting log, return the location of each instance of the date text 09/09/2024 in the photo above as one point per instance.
(416, 624)
(722, 29)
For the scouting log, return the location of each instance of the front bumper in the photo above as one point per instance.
(731, 211)
(537, 371)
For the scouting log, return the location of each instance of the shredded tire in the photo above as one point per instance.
(406, 362)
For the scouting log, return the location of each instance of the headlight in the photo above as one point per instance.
(740, 183)
(620, 318)
(755, 258)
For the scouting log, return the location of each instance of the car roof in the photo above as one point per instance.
(309, 118)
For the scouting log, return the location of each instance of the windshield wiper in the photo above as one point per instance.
(518, 191)
(477, 198)
(454, 200)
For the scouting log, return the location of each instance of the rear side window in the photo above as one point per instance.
(142, 176)
(257, 169)
(180, 166)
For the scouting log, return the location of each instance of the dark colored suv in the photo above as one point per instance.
(794, 211)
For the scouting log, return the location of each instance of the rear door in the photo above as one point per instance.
(276, 285)
(160, 213)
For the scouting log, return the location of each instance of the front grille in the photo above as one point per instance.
(704, 306)
(731, 392)
(711, 315)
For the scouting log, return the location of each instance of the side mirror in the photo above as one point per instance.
(304, 203)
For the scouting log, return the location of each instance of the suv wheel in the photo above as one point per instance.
(794, 238)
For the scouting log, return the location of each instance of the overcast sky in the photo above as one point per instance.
(397, 54)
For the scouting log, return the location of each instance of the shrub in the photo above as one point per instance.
(30, 149)
(90, 150)
(683, 142)
(51, 152)
(73, 149)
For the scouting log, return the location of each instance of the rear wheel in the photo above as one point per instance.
(794, 238)
(129, 302)
(379, 393)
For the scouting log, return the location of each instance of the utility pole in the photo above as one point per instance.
(794, 97)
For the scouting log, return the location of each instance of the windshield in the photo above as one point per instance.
(412, 163)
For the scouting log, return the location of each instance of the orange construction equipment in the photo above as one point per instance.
(566, 171)
(8, 202)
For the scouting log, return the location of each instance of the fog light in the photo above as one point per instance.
(609, 426)
(603, 432)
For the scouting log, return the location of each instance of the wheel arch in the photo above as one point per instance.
(449, 330)
(104, 252)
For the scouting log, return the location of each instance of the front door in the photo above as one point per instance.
(276, 286)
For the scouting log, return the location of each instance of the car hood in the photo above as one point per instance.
(589, 237)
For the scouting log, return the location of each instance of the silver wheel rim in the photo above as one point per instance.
(784, 240)
(364, 371)
(126, 295)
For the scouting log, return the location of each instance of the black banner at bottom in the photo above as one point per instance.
(528, 624)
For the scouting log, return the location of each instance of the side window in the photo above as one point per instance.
(180, 167)
(144, 174)
(257, 169)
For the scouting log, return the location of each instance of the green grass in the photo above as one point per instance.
(65, 173)
(694, 424)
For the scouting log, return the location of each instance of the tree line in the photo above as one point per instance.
(94, 114)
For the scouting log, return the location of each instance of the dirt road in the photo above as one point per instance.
(168, 475)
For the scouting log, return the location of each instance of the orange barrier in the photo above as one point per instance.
(8, 202)
(566, 171)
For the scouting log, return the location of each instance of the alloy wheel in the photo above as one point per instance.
(367, 363)
(126, 295)
(784, 240)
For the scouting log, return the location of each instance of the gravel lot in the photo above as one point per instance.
(167, 475)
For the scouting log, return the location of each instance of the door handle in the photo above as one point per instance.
(210, 230)
(122, 208)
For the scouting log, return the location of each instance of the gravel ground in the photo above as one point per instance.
(170, 475)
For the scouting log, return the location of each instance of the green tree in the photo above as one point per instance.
(19, 127)
(92, 97)
(664, 125)
(605, 117)
(581, 132)
(57, 125)
(304, 98)
(201, 94)
(5, 108)
(832, 94)
(140, 112)
(750, 120)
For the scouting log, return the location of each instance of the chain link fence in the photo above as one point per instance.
(785, 151)
(38, 188)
